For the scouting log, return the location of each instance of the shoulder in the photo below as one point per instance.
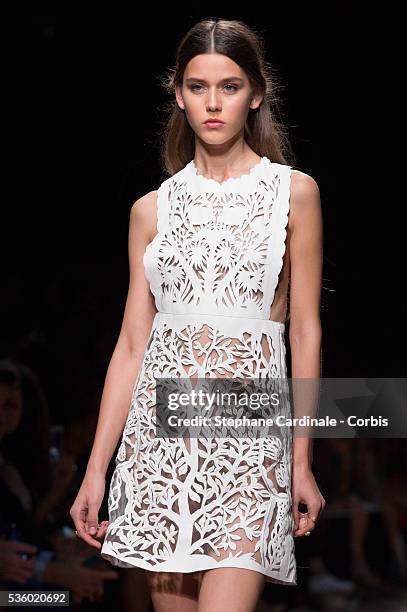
(303, 186)
(143, 212)
(145, 207)
(142, 207)
(305, 197)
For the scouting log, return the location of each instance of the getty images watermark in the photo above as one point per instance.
(303, 407)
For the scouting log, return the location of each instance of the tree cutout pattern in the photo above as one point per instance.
(180, 504)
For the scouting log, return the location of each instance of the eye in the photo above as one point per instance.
(234, 87)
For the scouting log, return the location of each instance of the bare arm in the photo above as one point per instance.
(306, 245)
(122, 372)
(135, 330)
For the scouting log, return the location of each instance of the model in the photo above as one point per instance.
(215, 252)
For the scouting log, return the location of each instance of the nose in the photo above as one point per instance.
(213, 102)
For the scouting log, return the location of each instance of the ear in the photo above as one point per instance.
(179, 98)
(256, 101)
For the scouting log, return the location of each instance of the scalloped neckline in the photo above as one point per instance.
(231, 180)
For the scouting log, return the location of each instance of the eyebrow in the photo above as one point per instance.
(231, 78)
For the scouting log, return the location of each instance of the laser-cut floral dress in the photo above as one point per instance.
(213, 267)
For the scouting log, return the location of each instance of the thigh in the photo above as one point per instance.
(229, 589)
(134, 591)
(174, 591)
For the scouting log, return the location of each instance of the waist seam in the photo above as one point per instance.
(207, 314)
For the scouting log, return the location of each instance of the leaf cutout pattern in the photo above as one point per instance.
(187, 504)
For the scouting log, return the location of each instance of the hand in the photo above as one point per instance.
(12, 566)
(305, 490)
(101, 531)
(84, 511)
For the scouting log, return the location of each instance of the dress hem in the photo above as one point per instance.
(136, 563)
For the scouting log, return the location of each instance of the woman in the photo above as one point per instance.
(211, 253)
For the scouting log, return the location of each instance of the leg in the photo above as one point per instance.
(229, 589)
(174, 591)
(135, 582)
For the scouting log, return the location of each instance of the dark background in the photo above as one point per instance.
(83, 114)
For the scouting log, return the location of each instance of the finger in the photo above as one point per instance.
(102, 529)
(101, 532)
(79, 518)
(83, 535)
(81, 521)
(314, 509)
(306, 524)
(88, 539)
(298, 516)
(296, 513)
(302, 525)
(92, 522)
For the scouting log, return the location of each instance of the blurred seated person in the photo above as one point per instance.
(27, 560)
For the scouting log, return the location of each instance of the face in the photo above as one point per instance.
(214, 86)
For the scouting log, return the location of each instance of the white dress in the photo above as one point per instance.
(183, 505)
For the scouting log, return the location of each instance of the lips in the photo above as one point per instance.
(214, 121)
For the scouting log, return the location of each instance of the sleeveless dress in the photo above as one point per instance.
(179, 505)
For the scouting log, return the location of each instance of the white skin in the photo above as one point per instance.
(219, 154)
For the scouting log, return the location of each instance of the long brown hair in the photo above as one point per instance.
(263, 133)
